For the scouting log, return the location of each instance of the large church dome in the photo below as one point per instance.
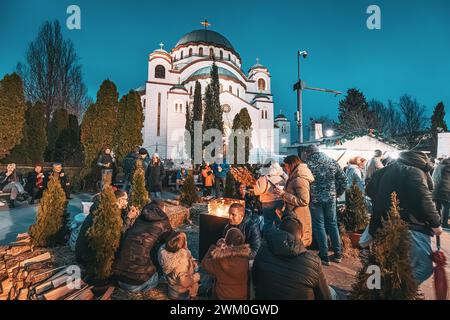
(205, 36)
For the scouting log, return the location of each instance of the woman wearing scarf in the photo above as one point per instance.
(410, 178)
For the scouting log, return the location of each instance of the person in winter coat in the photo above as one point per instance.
(409, 177)
(128, 167)
(106, 163)
(58, 172)
(441, 193)
(182, 174)
(355, 172)
(296, 195)
(146, 159)
(83, 253)
(10, 183)
(265, 187)
(134, 266)
(179, 267)
(154, 176)
(285, 270)
(330, 183)
(220, 177)
(374, 164)
(35, 183)
(228, 263)
(248, 227)
(208, 179)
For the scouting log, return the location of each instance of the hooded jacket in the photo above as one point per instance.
(229, 266)
(178, 268)
(264, 187)
(285, 270)
(409, 177)
(441, 179)
(133, 264)
(297, 198)
(250, 230)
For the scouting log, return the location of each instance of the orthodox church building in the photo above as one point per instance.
(170, 86)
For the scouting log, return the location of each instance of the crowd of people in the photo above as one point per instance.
(264, 257)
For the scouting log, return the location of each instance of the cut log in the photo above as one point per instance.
(6, 285)
(61, 292)
(84, 294)
(37, 276)
(107, 295)
(23, 295)
(22, 236)
(19, 249)
(52, 283)
(40, 258)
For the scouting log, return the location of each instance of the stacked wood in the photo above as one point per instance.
(177, 214)
(243, 176)
(28, 273)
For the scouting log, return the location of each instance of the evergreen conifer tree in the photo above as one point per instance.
(139, 193)
(50, 226)
(356, 217)
(12, 113)
(188, 191)
(390, 251)
(104, 234)
(354, 114)
(242, 124)
(438, 125)
(230, 186)
(57, 130)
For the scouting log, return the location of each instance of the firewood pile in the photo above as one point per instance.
(28, 273)
(243, 176)
(177, 214)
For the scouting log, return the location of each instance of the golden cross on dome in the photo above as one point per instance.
(161, 45)
(205, 23)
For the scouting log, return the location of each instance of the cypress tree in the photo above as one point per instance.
(139, 193)
(355, 218)
(98, 127)
(50, 226)
(438, 125)
(198, 107)
(104, 234)
(57, 127)
(128, 134)
(37, 130)
(189, 132)
(19, 154)
(188, 191)
(215, 99)
(390, 251)
(242, 121)
(12, 113)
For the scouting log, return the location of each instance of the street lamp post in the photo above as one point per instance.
(299, 87)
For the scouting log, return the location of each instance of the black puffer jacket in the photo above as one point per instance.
(413, 188)
(133, 264)
(441, 178)
(154, 177)
(250, 230)
(285, 270)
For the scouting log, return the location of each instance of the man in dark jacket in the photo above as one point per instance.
(441, 193)
(285, 270)
(409, 177)
(248, 227)
(128, 167)
(83, 253)
(134, 266)
(58, 172)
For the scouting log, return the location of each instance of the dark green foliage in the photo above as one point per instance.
(12, 113)
(231, 190)
(355, 216)
(242, 124)
(139, 193)
(98, 127)
(438, 125)
(188, 191)
(128, 133)
(198, 106)
(104, 234)
(354, 113)
(390, 251)
(189, 133)
(50, 227)
(37, 130)
(57, 127)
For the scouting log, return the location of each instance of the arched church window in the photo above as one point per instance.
(200, 52)
(229, 57)
(230, 88)
(181, 57)
(160, 72)
(261, 85)
(211, 53)
(190, 52)
(221, 55)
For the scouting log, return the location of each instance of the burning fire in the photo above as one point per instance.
(219, 207)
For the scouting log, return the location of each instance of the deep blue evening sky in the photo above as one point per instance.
(410, 54)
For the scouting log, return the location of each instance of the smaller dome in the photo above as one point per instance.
(281, 117)
(206, 71)
(258, 66)
(178, 86)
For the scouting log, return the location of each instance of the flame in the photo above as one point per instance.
(219, 207)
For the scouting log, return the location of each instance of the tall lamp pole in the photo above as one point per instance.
(299, 87)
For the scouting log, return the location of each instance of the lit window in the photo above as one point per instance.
(160, 72)
(261, 85)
